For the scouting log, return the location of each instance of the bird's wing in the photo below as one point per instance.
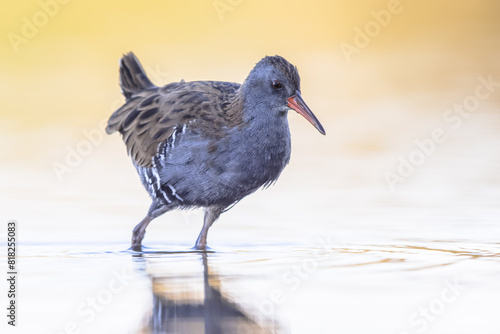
(150, 117)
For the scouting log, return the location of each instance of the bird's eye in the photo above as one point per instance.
(277, 84)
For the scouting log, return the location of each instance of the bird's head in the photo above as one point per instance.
(275, 83)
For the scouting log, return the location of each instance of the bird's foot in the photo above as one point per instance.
(136, 247)
(137, 241)
(200, 247)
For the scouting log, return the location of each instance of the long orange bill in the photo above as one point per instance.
(297, 103)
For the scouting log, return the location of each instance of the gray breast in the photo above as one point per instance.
(195, 171)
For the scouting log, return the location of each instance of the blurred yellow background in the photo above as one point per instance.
(68, 69)
(376, 73)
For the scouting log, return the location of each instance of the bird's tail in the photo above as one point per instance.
(133, 78)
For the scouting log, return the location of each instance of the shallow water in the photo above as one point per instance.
(328, 249)
(331, 248)
(320, 285)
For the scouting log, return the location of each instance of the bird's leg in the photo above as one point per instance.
(139, 232)
(211, 215)
(156, 209)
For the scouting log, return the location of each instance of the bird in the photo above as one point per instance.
(207, 144)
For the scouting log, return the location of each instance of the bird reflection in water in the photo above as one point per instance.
(194, 303)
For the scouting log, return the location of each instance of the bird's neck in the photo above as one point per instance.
(263, 125)
(266, 129)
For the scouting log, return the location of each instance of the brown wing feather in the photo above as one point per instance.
(151, 116)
